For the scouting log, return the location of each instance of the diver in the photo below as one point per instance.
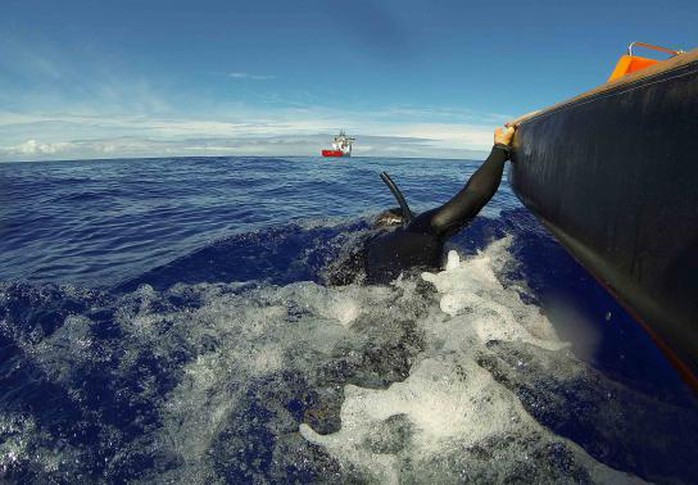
(403, 241)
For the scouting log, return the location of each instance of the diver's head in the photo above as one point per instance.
(390, 218)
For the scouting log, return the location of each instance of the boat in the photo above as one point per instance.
(341, 146)
(613, 174)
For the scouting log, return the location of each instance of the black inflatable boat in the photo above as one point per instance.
(613, 173)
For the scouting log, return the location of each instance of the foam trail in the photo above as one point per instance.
(434, 425)
(255, 383)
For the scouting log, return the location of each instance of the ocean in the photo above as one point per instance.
(167, 321)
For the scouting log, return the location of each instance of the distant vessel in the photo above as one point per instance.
(341, 146)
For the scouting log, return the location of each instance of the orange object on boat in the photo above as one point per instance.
(630, 63)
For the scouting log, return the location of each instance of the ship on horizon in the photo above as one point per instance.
(341, 146)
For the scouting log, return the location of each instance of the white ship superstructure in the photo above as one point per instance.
(341, 146)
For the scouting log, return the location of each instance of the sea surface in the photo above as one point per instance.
(169, 321)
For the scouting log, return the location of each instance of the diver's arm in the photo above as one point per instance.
(466, 204)
(448, 219)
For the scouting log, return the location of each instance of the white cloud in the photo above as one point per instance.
(32, 147)
(292, 145)
(247, 75)
(449, 135)
(246, 132)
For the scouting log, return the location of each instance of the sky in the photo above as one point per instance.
(409, 78)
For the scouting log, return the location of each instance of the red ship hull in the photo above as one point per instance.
(334, 153)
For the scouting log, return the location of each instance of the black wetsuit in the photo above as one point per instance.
(420, 243)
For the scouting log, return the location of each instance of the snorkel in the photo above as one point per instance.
(406, 214)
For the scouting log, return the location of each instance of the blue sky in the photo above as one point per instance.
(104, 79)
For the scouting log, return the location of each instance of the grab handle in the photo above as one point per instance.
(654, 47)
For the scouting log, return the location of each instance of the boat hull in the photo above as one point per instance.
(334, 153)
(613, 174)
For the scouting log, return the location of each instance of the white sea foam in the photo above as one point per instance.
(390, 374)
(449, 402)
(258, 334)
(21, 437)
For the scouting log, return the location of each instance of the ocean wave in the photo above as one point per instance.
(446, 377)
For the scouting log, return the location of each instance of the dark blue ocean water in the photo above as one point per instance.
(166, 320)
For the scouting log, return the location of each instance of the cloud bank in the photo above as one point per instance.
(292, 133)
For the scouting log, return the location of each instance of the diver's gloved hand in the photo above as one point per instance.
(504, 136)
